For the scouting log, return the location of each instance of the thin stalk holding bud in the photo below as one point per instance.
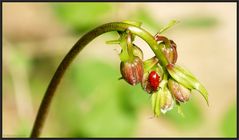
(80, 44)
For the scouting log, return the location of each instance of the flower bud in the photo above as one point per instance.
(169, 49)
(162, 101)
(132, 71)
(170, 53)
(166, 100)
(180, 93)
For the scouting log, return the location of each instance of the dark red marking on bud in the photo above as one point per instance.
(154, 80)
(158, 37)
(170, 66)
(175, 54)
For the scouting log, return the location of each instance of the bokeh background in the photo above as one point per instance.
(91, 101)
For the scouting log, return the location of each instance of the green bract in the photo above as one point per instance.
(187, 79)
(170, 24)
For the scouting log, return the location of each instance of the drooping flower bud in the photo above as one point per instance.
(131, 66)
(166, 100)
(169, 49)
(132, 71)
(180, 92)
(162, 101)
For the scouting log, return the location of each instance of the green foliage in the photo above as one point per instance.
(99, 105)
(81, 16)
(229, 121)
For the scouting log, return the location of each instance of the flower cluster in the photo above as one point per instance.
(168, 85)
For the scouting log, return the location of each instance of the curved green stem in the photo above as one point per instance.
(80, 44)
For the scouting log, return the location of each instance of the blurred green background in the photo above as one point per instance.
(91, 101)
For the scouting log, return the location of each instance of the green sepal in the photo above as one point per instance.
(169, 25)
(137, 52)
(150, 63)
(156, 105)
(113, 42)
(124, 54)
(187, 79)
(164, 81)
(180, 111)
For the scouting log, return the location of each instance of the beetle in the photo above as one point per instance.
(154, 80)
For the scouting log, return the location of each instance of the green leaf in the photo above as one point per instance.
(169, 25)
(185, 71)
(180, 77)
(187, 79)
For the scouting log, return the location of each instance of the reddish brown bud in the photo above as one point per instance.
(170, 48)
(132, 72)
(180, 93)
(175, 54)
(170, 66)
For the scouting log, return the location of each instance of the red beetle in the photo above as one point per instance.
(154, 80)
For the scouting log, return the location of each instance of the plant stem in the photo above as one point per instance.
(80, 44)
